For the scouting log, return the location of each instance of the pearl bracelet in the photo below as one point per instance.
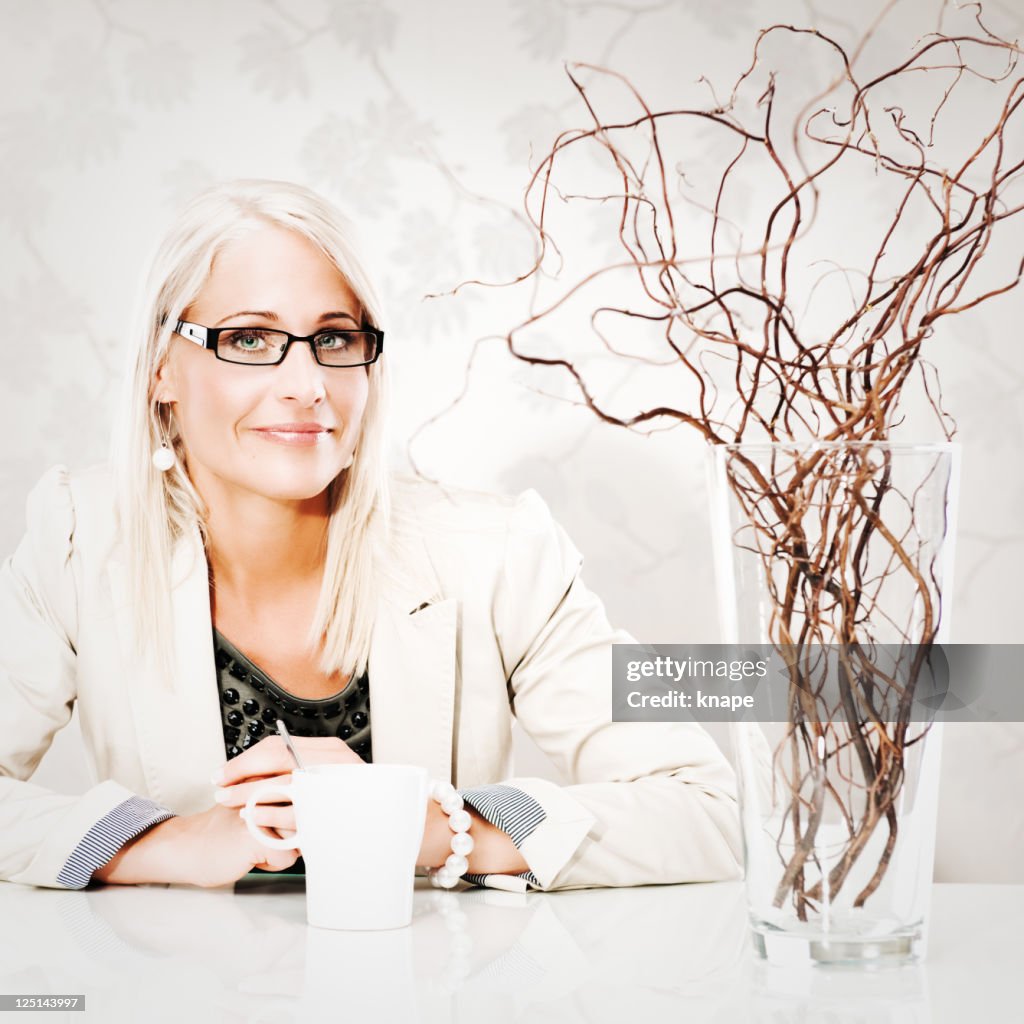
(459, 820)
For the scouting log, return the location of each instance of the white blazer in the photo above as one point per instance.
(484, 622)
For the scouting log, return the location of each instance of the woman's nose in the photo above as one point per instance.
(299, 376)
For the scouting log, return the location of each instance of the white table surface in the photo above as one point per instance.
(630, 956)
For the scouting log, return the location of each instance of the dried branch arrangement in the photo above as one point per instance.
(761, 344)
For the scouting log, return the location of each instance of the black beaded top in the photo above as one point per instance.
(251, 702)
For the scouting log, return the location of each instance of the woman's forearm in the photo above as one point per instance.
(148, 857)
(493, 853)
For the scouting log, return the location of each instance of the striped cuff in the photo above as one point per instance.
(107, 836)
(516, 813)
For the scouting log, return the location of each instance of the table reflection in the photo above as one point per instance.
(652, 954)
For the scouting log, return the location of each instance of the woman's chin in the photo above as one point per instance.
(294, 485)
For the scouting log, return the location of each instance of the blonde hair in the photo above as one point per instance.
(157, 510)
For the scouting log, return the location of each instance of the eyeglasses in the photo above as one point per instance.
(260, 346)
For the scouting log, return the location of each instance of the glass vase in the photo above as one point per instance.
(839, 546)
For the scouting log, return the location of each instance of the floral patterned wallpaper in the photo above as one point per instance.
(424, 121)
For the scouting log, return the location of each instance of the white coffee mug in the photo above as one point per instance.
(359, 827)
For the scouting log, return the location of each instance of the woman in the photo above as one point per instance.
(247, 556)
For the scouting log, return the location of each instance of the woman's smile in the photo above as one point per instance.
(303, 435)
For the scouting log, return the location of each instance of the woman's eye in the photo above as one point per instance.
(334, 340)
(247, 341)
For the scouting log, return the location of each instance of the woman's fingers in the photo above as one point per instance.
(278, 859)
(269, 816)
(238, 795)
(270, 757)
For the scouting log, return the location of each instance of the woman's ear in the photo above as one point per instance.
(165, 389)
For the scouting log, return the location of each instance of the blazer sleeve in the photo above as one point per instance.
(647, 802)
(46, 838)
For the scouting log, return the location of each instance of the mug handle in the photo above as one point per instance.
(257, 831)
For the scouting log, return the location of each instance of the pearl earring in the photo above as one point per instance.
(163, 457)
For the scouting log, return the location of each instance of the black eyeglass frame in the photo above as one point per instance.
(206, 337)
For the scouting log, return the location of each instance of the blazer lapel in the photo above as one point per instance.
(178, 726)
(412, 662)
(412, 683)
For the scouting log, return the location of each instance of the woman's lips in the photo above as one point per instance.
(297, 434)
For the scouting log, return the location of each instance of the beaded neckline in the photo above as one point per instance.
(222, 643)
(251, 702)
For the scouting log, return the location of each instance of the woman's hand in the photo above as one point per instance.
(494, 851)
(269, 761)
(208, 849)
(221, 849)
(214, 847)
